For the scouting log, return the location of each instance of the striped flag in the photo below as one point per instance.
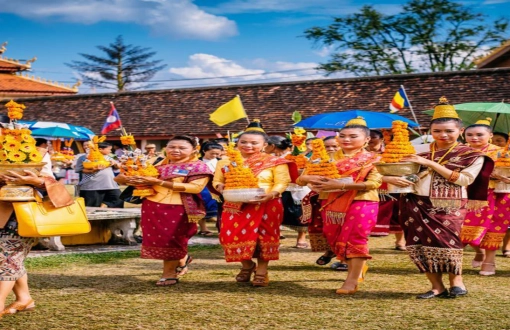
(399, 101)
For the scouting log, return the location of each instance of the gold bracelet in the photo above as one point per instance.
(162, 183)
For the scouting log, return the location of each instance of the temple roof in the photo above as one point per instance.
(162, 113)
(9, 65)
(23, 85)
(498, 57)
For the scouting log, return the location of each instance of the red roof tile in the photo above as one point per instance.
(14, 84)
(178, 111)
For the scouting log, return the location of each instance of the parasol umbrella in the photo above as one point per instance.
(336, 120)
(56, 132)
(52, 130)
(472, 112)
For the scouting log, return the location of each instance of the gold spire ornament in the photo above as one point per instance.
(357, 121)
(444, 110)
(487, 121)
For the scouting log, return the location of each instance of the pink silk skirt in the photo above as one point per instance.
(350, 238)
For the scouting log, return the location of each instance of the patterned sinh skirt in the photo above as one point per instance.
(432, 235)
(253, 232)
(13, 251)
(166, 231)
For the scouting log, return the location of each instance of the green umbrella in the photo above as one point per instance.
(472, 112)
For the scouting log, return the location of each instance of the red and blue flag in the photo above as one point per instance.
(112, 122)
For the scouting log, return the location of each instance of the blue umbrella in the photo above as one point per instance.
(336, 120)
(56, 132)
(53, 130)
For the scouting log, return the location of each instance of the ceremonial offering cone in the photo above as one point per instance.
(502, 167)
(400, 146)
(241, 185)
(135, 163)
(17, 154)
(95, 159)
(320, 162)
(298, 139)
(395, 150)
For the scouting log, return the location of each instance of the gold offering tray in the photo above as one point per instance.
(397, 169)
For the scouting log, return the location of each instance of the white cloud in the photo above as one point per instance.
(315, 7)
(176, 18)
(207, 69)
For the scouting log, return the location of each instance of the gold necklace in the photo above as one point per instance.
(433, 151)
(342, 155)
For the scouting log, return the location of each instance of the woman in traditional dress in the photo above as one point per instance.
(280, 147)
(14, 248)
(170, 216)
(252, 230)
(432, 217)
(485, 229)
(350, 213)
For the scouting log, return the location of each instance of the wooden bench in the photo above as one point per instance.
(120, 222)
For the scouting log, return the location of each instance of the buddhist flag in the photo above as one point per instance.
(112, 121)
(231, 111)
(399, 101)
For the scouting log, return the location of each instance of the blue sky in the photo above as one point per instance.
(256, 39)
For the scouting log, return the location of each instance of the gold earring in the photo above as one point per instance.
(490, 140)
(365, 145)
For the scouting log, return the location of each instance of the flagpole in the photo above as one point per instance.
(412, 111)
(248, 119)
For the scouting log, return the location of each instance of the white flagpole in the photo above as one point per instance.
(412, 111)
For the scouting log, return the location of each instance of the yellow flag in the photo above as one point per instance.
(228, 112)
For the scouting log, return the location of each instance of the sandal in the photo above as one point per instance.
(506, 253)
(162, 281)
(260, 280)
(16, 307)
(301, 245)
(340, 266)
(324, 260)
(476, 263)
(488, 272)
(245, 274)
(400, 248)
(179, 270)
(205, 233)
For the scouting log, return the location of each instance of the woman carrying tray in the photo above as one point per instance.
(453, 178)
(349, 213)
(252, 230)
(170, 217)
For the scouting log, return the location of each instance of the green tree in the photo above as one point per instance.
(428, 35)
(124, 67)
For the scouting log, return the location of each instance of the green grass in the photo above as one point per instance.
(117, 291)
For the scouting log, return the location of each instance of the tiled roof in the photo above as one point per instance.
(498, 55)
(10, 65)
(22, 85)
(179, 111)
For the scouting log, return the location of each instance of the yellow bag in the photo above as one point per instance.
(42, 219)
